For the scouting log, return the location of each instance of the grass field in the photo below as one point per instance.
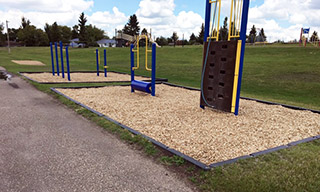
(285, 74)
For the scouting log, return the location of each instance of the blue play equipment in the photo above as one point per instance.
(148, 87)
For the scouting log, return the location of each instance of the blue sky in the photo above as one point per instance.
(280, 19)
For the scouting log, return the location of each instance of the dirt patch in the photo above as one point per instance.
(80, 77)
(28, 62)
(2, 69)
(175, 119)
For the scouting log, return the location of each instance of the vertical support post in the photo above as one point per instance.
(68, 66)
(97, 58)
(207, 20)
(57, 58)
(105, 63)
(243, 33)
(61, 55)
(132, 64)
(153, 72)
(52, 59)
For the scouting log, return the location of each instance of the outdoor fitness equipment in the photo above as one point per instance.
(142, 85)
(57, 59)
(223, 60)
(105, 62)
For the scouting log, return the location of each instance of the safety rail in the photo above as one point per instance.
(138, 53)
(235, 19)
(215, 29)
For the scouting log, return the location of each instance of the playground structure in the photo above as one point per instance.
(132, 39)
(104, 64)
(223, 60)
(67, 59)
(57, 60)
(148, 87)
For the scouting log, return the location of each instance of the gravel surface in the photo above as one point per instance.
(80, 77)
(175, 119)
(44, 146)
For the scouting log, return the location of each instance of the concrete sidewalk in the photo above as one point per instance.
(44, 146)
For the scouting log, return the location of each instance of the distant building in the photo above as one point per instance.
(74, 43)
(107, 43)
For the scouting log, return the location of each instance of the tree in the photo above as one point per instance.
(2, 36)
(174, 38)
(193, 39)
(201, 34)
(65, 33)
(252, 34)
(132, 27)
(314, 37)
(75, 32)
(162, 41)
(224, 30)
(83, 35)
(25, 22)
(29, 35)
(94, 34)
(262, 35)
(144, 31)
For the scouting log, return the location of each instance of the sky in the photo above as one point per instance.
(281, 19)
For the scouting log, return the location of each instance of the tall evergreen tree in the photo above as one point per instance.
(24, 22)
(224, 30)
(132, 27)
(201, 34)
(192, 39)
(83, 37)
(252, 34)
(174, 38)
(262, 35)
(314, 37)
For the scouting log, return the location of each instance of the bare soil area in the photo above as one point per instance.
(28, 62)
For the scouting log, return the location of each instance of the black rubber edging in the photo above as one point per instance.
(187, 158)
(51, 83)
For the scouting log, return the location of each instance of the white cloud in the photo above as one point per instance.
(108, 21)
(159, 15)
(40, 12)
(284, 19)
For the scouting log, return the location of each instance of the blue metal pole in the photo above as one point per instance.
(105, 63)
(61, 55)
(97, 58)
(68, 66)
(153, 72)
(243, 37)
(57, 58)
(207, 20)
(132, 64)
(52, 59)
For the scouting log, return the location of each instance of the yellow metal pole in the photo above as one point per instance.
(231, 13)
(236, 77)
(218, 20)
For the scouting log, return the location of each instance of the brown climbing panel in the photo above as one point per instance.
(219, 74)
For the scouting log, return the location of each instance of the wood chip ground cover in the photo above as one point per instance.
(80, 77)
(175, 119)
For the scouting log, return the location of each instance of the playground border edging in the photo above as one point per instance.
(188, 158)
(20, 73)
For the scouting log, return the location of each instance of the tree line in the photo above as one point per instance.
(29, 35)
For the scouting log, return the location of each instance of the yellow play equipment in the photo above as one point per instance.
(138, 52)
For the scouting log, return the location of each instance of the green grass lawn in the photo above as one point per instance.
(285, 74)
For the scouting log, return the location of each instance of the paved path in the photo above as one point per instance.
(45, 146)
